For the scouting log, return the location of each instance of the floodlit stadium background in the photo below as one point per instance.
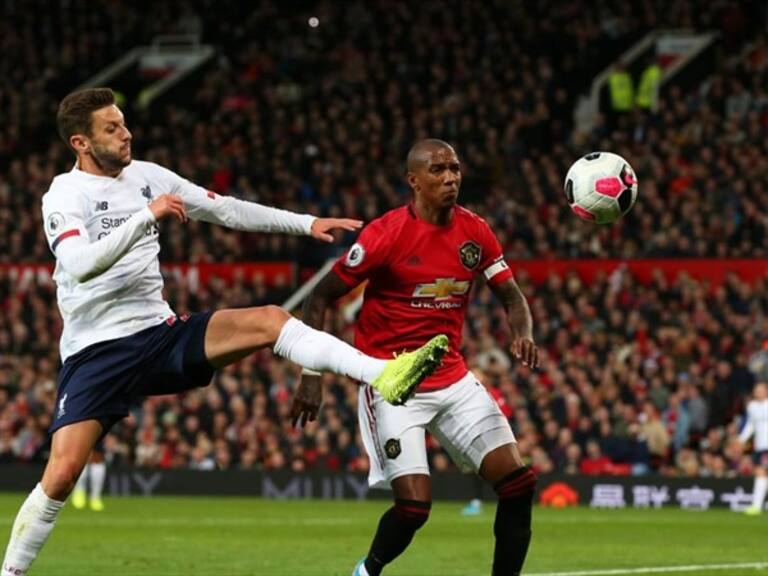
(653, 330)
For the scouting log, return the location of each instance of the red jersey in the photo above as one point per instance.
(420, 276)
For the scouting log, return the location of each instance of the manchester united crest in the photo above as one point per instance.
(469, 253)
(392, 448)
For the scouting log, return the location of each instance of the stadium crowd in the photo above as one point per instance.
(635, 378)
(319, 120)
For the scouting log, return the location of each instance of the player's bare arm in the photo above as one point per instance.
(168, 205)
(520, 321)
(322, 227)
(309, 394)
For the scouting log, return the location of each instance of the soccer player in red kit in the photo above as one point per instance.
(420, 261)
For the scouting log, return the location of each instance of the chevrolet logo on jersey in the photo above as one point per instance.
(442, 288)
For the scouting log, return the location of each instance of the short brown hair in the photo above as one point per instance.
(74, 114)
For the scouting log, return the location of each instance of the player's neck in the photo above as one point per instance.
(88, 165)
(435, 215)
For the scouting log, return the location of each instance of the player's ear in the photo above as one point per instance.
(79, 143)
(413, 182)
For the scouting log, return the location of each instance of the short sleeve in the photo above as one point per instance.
(365, 256)
(494, 267)
(63, 216)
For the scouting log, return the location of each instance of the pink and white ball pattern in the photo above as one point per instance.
(601, 187)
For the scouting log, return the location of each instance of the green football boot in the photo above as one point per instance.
(402, 374)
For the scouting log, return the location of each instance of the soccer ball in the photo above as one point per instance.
(601, 187)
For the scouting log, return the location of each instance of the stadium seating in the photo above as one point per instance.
(319, 120)
(636, 378)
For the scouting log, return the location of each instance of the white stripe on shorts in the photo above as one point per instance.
(372, 423)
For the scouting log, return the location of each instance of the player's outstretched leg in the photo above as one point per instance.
(400, 377)
(234, 334)
(69, 452)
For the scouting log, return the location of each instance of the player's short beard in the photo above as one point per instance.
(107, 161)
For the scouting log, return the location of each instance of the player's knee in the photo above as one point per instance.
(413, 513)
(520, 483)
(270, 319)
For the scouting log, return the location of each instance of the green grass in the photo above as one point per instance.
(241, 536)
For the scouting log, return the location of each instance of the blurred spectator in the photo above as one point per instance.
(622, 95)
(655, 434)
(595, 462)
(647, 97)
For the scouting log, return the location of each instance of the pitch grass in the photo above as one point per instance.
(248, 536)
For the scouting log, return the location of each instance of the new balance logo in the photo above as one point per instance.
(413, 261)
(62, 411)
(101, 205)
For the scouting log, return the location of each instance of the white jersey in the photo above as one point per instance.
(757, 424)
(105, 239)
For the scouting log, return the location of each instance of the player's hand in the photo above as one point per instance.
(322, 226)
(307, 401)
(168, 205)
(525, 350)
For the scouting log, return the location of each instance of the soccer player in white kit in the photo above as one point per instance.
(756, 424)
(90, 486)
(121, 341)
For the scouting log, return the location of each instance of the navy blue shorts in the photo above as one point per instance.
(105, 380)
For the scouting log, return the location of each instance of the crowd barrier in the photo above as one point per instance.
(714, 271)
(553, 490)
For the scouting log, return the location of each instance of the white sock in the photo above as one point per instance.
(33, 524)
(98, 473)
(758, 494)
(83, 480)
(322, 352)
